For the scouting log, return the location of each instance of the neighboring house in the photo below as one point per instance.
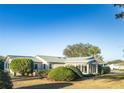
(116, 66)
(87, 65)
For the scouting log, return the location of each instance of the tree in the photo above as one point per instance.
(81, 50)
(2, 59)
(94, 50)
(5, 80)
(22, 66)
(121, 14)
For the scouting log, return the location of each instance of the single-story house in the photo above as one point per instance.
(118, 66)
(87, 65)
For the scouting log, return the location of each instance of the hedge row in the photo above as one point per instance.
(103, 69)
(67, 73)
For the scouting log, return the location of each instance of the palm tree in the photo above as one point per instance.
(94, 51)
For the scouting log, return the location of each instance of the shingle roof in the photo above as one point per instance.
(16, 56)
(99, 61)
(80, 59)
(65, 60)
(53, 58)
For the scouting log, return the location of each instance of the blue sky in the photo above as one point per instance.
(48, 29)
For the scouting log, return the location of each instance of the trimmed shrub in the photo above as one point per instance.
(1, 65)
(62, 74)
(106, 70)
(2, 59)
(22, 66)
(76, 70)
(103, 69)
(43, 73)
(5, 80)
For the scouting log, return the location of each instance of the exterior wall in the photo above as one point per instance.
(39, 66)
(121, 67)
(56, 65)
(6, 64)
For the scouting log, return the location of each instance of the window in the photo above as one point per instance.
(85, 69)
(6, 65)
(44, 66)
(50, 66)
(41, 66)
(35, 66)
(94, 68)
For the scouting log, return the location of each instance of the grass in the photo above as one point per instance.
(108, 81)
(114, 80)
(113, 76)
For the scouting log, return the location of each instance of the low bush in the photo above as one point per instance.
(62, 74)
(76, 70)
(5, 80)
(106, 70)
(43, 73)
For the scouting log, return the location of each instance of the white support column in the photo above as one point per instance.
(96, 68)
(87, 68)
(91, 69)
(81, 68)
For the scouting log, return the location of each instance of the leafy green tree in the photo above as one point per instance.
(121, 14)
(2, 59)
(22, 66)
(81, 50)
(5, 80)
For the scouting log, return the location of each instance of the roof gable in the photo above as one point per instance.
(53, 58)
(18, 56)
(80, 59)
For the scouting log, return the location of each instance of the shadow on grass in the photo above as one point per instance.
(24, 78)
(47, 86)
